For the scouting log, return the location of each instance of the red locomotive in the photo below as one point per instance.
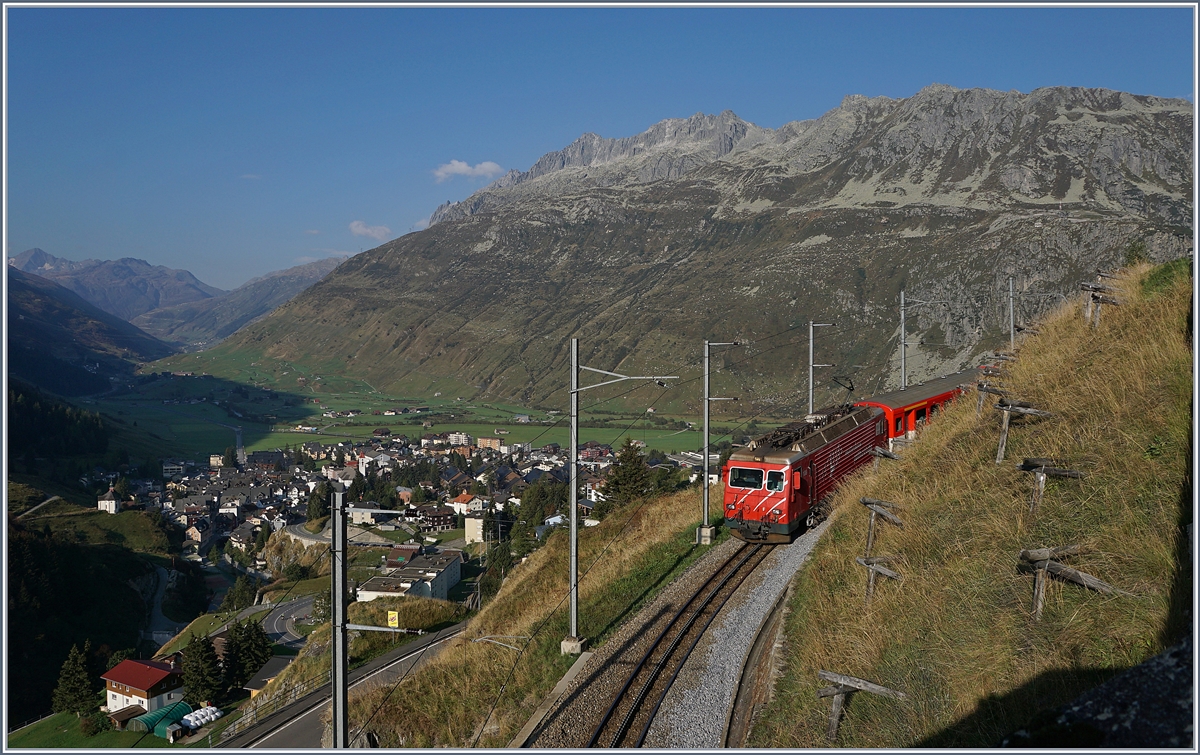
(775, 485)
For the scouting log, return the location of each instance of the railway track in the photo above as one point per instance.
(637, 701)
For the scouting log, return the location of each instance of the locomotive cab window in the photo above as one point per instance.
(775, 481)
(740, 477)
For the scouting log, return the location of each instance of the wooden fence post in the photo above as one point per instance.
(835, 716)
(1039, 590)
(1009, 406)
(1043, 561)
(1003, 438)
(1039, 488)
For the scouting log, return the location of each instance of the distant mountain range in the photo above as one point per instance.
(172, 305)
(205, 322)
(60, 342)
(126, 287)
(712, 227)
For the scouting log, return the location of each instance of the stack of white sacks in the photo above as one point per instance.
(199, 718)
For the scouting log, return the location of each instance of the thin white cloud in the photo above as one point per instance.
(304, 260)
(313, 232)
(251, 176)
(421, 224)
(377, 232)
(486, 169)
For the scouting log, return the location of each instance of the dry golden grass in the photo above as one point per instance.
(957, 634)
(314, 658)
(622, 562)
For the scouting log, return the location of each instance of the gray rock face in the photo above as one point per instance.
(668, 149)
(1148, 706)
(975, 148)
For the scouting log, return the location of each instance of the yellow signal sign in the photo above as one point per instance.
(394, 619)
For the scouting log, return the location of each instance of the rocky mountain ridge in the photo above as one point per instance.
(973, 148)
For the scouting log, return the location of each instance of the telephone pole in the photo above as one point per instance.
(341, 658)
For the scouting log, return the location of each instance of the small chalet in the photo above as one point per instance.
(436, 518)
(136, 687)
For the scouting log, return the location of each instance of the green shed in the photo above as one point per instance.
(166, 715)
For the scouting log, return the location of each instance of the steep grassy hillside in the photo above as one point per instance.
(957, 634)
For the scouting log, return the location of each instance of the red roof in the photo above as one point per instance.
(138, 674)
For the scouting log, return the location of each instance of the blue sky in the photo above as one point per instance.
(236, 141)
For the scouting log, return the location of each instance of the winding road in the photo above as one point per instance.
(280, 623)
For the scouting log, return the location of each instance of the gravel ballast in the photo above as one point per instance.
(694, 711)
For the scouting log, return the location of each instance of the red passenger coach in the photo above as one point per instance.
(773, 486)
(912, 407)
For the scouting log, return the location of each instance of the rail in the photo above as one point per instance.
(661, 661)
(259, 711)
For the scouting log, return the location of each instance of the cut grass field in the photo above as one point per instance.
(61, 731)
(957, 634)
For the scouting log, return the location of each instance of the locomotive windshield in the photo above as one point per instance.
(740, 477)
(775, 481)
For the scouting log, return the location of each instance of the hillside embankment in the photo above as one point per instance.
(957, 633)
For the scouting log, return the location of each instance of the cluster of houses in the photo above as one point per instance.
(216, 501)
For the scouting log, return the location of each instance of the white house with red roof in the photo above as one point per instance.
(148, 685)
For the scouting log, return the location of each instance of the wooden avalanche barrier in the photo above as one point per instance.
(1044, 561)
(843, 686)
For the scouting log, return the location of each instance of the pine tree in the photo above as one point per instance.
(256, 648)
(628, 480)
(318, 502)
(232, 665)
(201, 671)
(240, 596)
(74, 693)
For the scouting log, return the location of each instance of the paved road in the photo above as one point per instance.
(51, 499)
(300, 727)
(280, 623)
(357, 536)
(159, 622)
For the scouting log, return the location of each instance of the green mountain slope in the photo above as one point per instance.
(710, 227)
